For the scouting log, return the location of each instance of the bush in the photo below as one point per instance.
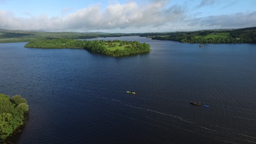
(23, 107)
(18, 99)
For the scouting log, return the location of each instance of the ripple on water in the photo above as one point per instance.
(79, 97)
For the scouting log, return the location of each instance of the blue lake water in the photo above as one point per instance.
(79, 97)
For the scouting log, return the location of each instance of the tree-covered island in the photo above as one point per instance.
(114, 48)
(12, 114)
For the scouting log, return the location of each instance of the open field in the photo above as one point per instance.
(217, 35)
(9, 40)
(116, 47)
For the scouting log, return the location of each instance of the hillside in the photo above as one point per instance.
(244, 35)
(27, 36)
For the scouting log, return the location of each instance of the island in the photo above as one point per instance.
(13, 111)
(116, 48)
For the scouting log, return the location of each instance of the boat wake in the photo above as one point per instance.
(150, 110)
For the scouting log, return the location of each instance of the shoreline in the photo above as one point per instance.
(14, 115)
(13, 137)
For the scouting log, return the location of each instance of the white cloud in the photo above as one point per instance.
(128, 17)
(237, 20)
(114, 16)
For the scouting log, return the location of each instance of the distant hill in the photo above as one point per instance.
(27, 36)
(241, 35)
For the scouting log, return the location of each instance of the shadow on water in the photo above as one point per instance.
(132, 55)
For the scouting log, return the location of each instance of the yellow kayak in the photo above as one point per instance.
(195, 103)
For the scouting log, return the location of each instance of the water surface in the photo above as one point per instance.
(79, 97)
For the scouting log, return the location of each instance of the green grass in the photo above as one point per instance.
(9, 40)
(217, 35)
(116, 47)
(165, 36)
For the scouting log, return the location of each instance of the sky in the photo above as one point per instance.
(126, 16)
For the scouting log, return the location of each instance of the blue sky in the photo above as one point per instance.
(126, 15)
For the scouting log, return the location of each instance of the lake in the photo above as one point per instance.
(79, 97)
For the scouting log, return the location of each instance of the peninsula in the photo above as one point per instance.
(12, 114)
(114, 48)
(244, 35)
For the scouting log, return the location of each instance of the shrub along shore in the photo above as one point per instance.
(12, 114)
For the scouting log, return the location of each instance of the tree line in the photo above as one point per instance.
(210, 40)
(247, 35)
(27, 36)
(234, 38)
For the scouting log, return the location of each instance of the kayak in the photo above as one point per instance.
(128, 92)
(206, 106)
(133, 93)
(195, 103)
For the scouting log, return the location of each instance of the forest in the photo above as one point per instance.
(114, 48)
(245, 35)
(12, 114)
(7, 36)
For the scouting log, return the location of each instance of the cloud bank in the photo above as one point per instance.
(128, 17)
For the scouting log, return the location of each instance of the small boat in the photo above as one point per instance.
(195, 103)
(128, 92)
(206, 106)
(133, 93)
(200, 46)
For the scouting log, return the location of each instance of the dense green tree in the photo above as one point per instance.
(23, 107)
(11, 114)
(18, 99)
(247, 35)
